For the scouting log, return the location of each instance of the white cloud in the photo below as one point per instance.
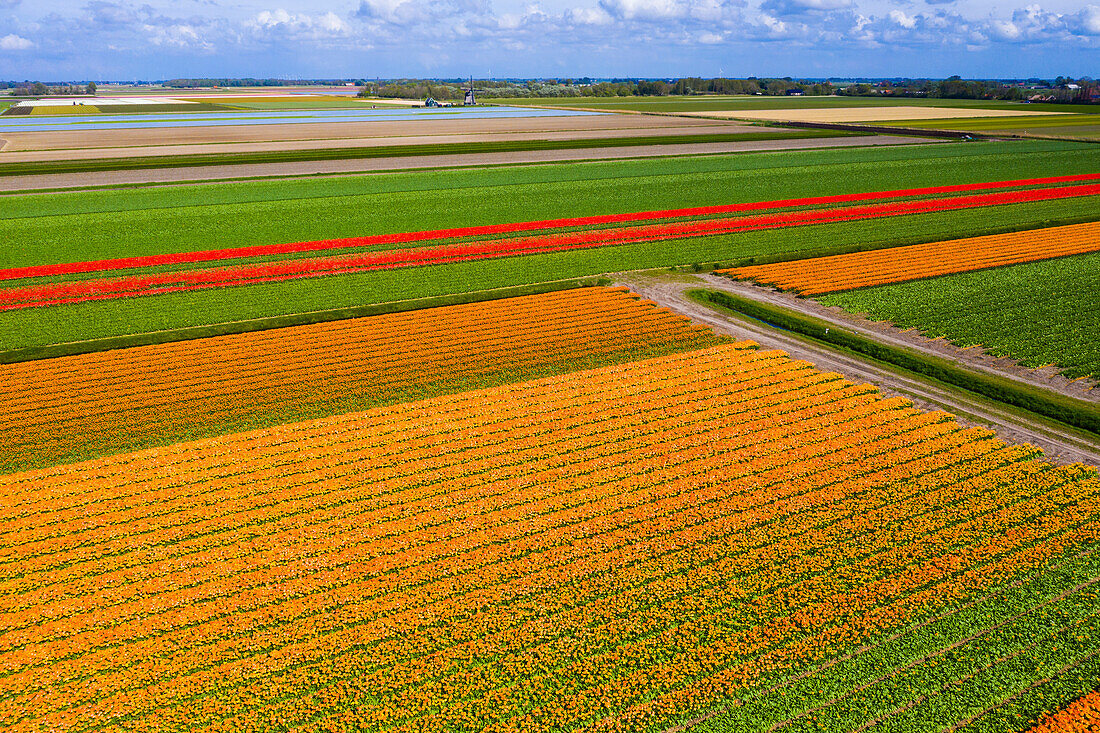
(282, 22)
(900, 18)
(804, 7)
(12, 42)
(1085, 22)
(1004, 30)
(713, 11)
(177, 35)
(645, 9)
(588, 16)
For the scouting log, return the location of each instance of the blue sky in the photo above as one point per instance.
(156, 39)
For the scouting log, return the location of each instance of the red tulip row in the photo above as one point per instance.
(159, 283)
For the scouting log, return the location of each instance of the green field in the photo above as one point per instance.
(1039, 313)
(703, 103)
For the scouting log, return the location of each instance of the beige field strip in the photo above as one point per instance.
(866, 114)
(899, 264)
(255, 131)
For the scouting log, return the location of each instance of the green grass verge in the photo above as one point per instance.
(57, 324)
(389, 151)
(1076, 413)
(57, 227)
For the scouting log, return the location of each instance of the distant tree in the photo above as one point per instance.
(90, 89)
(39, 89)
(653, 88)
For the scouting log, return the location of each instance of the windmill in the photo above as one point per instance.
(469, 99)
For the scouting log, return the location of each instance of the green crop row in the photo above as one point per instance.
(1039, 313)
(36, 327)
(946, 649)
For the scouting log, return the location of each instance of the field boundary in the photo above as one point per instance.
(1064, 409)
(76, 348)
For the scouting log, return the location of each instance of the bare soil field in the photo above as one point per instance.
(865, 114)
(371, 165)
(372, 142)
(1060, 445)
(307, 134)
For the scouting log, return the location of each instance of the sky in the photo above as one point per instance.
(161, 39)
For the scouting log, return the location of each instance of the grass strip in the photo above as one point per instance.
(1074, 412)
(1028, 707)
(51, 351)
(808, 699)
(389, 151)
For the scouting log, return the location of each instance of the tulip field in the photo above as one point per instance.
(723, 536)
(397, 452)
(382, 252)
(900, 264)
(87, 405)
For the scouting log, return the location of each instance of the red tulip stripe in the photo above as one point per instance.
(57, 293)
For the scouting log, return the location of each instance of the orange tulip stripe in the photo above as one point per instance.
(613, 549)
(899, 264)
(1082, 716)
(82, 406)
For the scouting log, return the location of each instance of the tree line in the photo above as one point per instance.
(454, 89)
(1063, 89)
(38, 89)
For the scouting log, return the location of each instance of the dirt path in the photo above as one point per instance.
(1060, 445)
(368, 165)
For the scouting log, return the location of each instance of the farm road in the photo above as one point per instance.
(462, 160)
(1060, 445)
